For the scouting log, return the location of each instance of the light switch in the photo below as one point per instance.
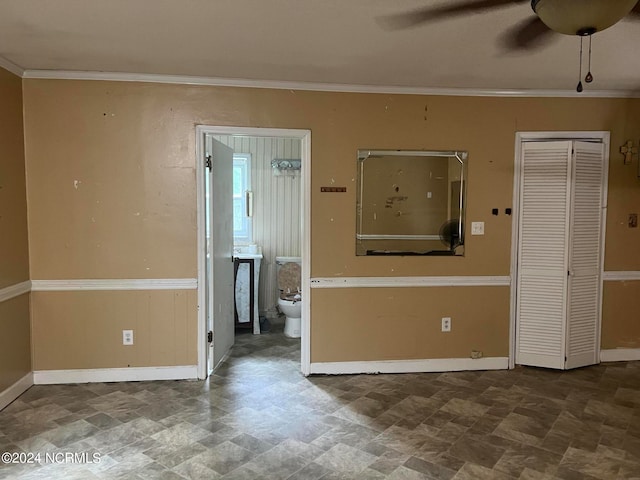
(477, 228)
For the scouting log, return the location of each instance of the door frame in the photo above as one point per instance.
(305, 198)
(521, 137)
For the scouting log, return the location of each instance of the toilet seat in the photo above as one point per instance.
(290, 297)
(289, 278)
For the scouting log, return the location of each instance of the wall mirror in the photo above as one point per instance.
(410, 202)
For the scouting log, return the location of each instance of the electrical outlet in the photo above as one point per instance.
(475, 354)
(127, 337)
(477, 228)
(446, 324)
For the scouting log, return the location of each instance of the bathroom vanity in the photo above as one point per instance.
(246, 268)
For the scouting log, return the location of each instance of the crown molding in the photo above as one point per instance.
(12, 67)
(319, 87)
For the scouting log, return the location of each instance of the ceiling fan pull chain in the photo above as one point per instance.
(589, 77)
(579, 87)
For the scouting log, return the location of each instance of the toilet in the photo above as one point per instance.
(288, 271)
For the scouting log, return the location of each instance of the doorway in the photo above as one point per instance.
(560, 191)
(222, 135)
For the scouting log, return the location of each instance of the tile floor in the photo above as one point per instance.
(259, 418)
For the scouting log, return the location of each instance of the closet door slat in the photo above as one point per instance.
(583, 313)
(543, 254)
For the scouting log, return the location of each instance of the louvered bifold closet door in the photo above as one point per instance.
(583, 315)
(543, 254)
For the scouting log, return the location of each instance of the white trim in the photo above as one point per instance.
(131, 374)
(11, 67)
(115, 284)
(305, 137)
(597, 135)
(604, 202)
(620, 355)
(411, 366)
(201, 245)
(320, 87)
(621, 276)
(372, 282)
(373, 236)
(14, 391)
(515, 242)
(305, 325)
(16, 290)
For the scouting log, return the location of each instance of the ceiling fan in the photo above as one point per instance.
(570, 17)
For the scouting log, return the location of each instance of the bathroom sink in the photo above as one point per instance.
(247, 251)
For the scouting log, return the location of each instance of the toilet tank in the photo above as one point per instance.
(288, 272)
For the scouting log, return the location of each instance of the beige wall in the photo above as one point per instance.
(405, 323)
(15, 341)
(131, 148)
(15, 353)
(14, 248)
(621, 304)
(84, 329)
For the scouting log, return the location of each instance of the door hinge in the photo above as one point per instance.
(207, 162)
(209, 336)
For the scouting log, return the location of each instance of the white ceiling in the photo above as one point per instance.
(319, 41)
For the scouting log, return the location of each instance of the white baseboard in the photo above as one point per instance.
(131, 374)
(620, 355)
(411, 366)
(14, 391)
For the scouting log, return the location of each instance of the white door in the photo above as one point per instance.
(587, 202)
(542, 257)
(559, 254)
(219, 276)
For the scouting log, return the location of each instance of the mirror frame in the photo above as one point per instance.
(458, 250)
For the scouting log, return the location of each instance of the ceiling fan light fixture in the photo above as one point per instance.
(581, 17)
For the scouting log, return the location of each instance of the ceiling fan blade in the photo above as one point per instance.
(430, 14)
(529, 34)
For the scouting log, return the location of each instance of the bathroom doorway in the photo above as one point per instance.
(272, 201)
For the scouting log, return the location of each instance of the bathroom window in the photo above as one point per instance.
(242, 198)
